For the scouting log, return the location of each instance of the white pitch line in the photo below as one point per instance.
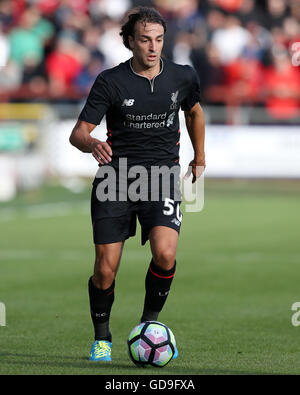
(45, 210)
(48, 210)
(8, 214)
(38, 254)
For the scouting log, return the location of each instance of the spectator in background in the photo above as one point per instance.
(90, 39)
(229, 6)
(6, 14)
(260, 40)
(71, 19)
(28, 41)
(64, 64)
(277, 11)
(166, 9)
(291, 29)
(25, 43)
(4, 48)
(190, 27)
(248, 11)
(87, 76)
(111, 44)
(187, 16)
(281, 86)
(215, 20)
(294, 6)
(258, 43)
(230, 40)
(114, 10)
(107, 15)
(56, 47)
(243, 81)
(48, 7)
(10, 72)
(96, 60)
(213, 78)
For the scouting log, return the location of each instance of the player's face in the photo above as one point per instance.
(147, 43)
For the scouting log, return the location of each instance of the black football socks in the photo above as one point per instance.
(101, 302)
(157, 284)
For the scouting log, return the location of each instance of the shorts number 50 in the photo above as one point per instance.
(169, 204)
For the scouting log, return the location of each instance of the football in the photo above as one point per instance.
(151, 343)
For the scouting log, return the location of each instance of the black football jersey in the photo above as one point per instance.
(142, 114)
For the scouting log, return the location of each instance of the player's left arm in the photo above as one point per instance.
(195, 123)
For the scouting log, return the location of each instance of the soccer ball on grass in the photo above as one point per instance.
(151, 343)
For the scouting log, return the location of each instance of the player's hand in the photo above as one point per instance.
(196, 168)
(101, 151)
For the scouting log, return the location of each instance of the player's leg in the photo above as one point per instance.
(101, 294)
(101, 286)
(107, 261)
(163, 243)
(113, 222)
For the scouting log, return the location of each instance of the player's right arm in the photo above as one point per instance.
(81, 138)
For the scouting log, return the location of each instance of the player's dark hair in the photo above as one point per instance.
(140, 14)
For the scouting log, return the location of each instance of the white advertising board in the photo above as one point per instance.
(231, 151)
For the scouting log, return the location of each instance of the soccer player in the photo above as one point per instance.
(140, 99)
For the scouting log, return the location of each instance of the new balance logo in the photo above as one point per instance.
(175, 221)
(163, 293)
(128, 102)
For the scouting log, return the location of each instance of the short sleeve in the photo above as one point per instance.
(193, 93)
(98, 102)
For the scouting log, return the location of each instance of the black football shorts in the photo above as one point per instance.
(115, 219)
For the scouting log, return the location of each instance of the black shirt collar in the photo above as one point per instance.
(161, 68)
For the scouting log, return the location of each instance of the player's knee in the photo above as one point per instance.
(103, 272)
(165, 258)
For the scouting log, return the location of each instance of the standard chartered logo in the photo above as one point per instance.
(149, 121)
(146, 121)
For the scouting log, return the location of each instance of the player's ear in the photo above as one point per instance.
(130, 42)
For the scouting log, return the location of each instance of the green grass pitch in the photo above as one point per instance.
(230, 305)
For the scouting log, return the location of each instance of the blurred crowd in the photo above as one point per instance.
(246, 52)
